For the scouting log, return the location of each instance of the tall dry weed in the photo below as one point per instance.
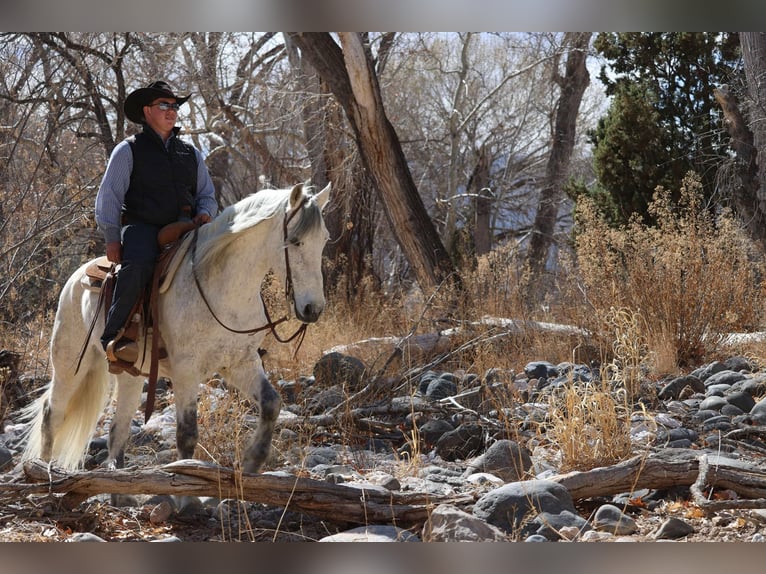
(589, 425)
(693, 277)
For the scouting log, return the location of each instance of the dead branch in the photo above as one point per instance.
(420, 348)
(712, 505)
(663, 469)
(333, 502)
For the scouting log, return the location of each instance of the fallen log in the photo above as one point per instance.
(663, 469)
(418, 348)
(356, 504)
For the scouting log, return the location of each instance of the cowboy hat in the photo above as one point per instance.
(136, 100)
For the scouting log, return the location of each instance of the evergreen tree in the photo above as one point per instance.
(663, 120)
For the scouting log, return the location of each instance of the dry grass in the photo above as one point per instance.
(690, 278)
(590, 426)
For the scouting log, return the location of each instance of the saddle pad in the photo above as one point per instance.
(175, 261)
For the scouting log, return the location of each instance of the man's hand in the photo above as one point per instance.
(201, 218)
(114, 251)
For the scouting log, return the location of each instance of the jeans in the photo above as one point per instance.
(139, 256)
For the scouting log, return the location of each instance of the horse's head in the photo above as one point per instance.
(305, 238)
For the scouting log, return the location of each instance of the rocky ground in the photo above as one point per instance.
(486, 442)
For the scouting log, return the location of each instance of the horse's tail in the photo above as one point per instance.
(72, 432)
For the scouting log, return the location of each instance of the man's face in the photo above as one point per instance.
(161, 121)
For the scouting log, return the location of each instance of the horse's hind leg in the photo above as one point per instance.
(269, 403)
(128, 398)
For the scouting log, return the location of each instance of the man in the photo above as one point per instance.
(152, 179)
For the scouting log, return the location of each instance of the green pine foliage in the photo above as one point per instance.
(663, 120)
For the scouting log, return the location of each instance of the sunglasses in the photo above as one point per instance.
(165, 106)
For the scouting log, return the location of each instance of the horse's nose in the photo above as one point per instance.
(310, 312)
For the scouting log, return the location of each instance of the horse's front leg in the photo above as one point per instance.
(186, 418)
(268, 401)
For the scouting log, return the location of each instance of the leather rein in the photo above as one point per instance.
(289, 292)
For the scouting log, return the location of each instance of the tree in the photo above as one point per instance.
(674, 74)
(572, 85)
(351, 217)
(350, 75)
(56, 107)
(754, 57)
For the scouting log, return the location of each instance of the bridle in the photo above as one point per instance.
(289, 291)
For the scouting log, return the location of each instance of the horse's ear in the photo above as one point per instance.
(323, 196)
(295, 195)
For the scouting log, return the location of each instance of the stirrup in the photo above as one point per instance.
(117, 367)
(123, 350)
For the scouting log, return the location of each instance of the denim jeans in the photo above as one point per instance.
(139, 255)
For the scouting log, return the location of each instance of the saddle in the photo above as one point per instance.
(100, 277)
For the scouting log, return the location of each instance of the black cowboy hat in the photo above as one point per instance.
(136, 100)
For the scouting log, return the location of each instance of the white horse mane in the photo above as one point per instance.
(239, 217)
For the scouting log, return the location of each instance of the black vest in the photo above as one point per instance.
(163, 182)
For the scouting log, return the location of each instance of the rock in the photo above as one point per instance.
(84, 537)
(595, 536)
(731, 411)
(384, 479)
(703, 373)
(320, 455)
(721, 422)
(536, 538)
(554, 526)
(465, 441)
(432, 430)
(540, 370)
(739, 363)
(324, 399)
(441, 388)
(6, 457)
(372, 533)
(673, 389)
(505, 459)
(161, 513)
(168, 539)
(758, 412)
(725, 377)
(667, 437)
(338, 369)
(741, 400)
(672, 529)
(713, 403)
(718, 390)
(510, 505)
(609, 518)
(755, 387)
(450, 524)
(425, 380)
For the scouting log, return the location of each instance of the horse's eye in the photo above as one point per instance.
(297, 243)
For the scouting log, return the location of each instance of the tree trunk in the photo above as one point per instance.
(754, 58)
(349, 74)
(478, 186)
(745, 193)
(572, 84)
(349, 219)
